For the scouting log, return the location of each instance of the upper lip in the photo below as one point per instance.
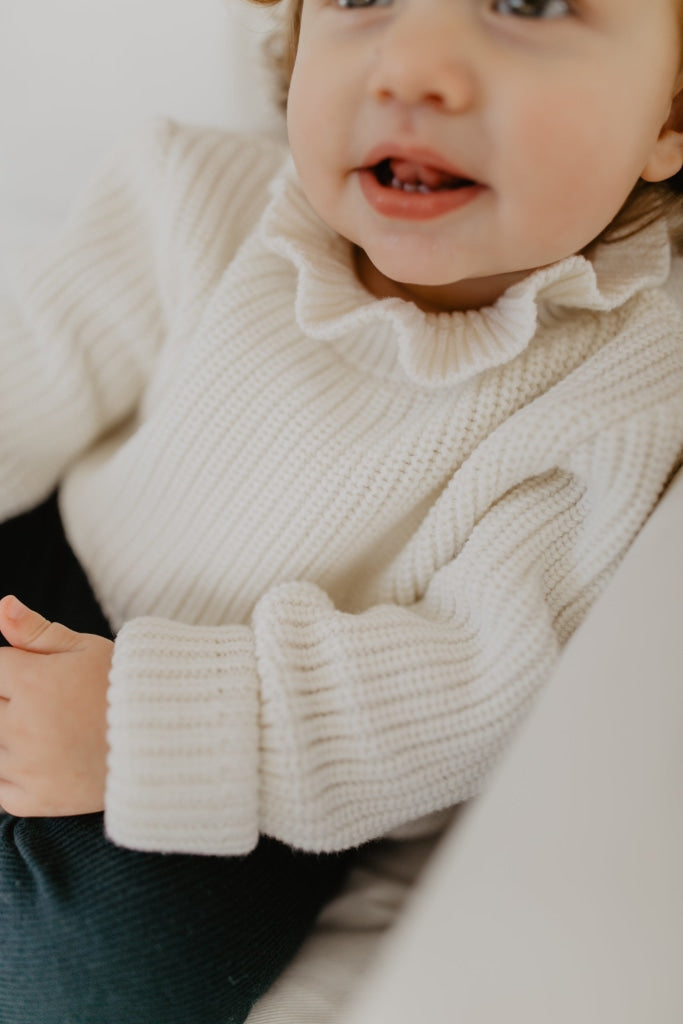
(414, 154)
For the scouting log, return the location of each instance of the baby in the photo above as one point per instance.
(347, 439)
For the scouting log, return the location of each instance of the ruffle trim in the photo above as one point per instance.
(442, 349)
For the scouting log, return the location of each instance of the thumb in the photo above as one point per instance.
(30, 631)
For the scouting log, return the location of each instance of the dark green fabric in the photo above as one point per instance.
(94, 934)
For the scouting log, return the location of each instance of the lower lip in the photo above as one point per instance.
(393, 202)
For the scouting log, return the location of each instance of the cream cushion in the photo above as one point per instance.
(559, 896)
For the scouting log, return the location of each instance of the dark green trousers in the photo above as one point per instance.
(91, 933)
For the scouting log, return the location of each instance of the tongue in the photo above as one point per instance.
(409, 173)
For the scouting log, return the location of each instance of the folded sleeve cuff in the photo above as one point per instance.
(183, 739)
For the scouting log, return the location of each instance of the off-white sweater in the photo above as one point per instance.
(343, 540)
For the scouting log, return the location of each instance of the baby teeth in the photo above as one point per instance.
(407, 186)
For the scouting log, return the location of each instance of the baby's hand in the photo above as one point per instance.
(53, 705)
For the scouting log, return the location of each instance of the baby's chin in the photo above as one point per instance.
(434, 292)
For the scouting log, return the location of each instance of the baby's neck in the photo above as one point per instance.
(474, 293)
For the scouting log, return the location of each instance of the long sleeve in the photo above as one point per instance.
(124, 281)
(326, 728)
(76, 349)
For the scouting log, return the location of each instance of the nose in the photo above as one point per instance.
(423, 61)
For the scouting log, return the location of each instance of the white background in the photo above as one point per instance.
(76, 76)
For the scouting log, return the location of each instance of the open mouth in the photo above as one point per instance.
(410, 176)
(414, 184)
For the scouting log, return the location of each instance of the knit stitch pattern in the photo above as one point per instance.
(343, 540)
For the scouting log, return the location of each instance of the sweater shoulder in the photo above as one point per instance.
(216, 183)
(198, 194)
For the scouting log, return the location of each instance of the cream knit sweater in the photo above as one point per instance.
(343, 540)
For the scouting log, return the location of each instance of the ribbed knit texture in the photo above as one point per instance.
(344, 540)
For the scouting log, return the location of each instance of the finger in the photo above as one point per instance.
(8, 674)
(12, 799)
(30, 631)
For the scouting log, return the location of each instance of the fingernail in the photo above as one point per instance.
(15, 609)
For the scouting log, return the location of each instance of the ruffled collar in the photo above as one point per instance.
(393, 336)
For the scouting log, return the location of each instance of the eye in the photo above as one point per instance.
(360, 4)
(533, 8)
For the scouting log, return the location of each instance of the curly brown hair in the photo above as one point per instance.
(647, 202)
(281, 46)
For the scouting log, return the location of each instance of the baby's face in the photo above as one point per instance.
(462, 143)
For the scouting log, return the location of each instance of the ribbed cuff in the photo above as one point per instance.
(184, 739)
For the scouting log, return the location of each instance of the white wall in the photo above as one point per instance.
(77, 75)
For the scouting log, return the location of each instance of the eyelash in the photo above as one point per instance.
(558, 8)
(362, 3)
